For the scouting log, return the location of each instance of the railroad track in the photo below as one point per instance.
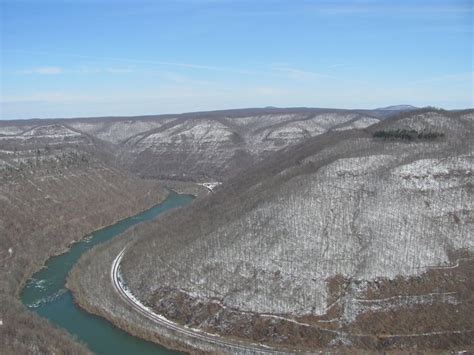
(216, 341)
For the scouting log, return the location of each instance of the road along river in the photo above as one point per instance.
(46, 293)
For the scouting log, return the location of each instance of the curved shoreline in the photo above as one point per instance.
(88, 297)
(46, 295)
(57, 211)
(41, 265)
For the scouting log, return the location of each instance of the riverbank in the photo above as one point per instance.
(45, 292)
(90, 282)
(49, 215)
(185, 187)
(91, 287)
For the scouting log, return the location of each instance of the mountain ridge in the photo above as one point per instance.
(338, 216)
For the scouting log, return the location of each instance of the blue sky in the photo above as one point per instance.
(94, 58)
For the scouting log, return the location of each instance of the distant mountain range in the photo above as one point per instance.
(398, 108)
(192, 146)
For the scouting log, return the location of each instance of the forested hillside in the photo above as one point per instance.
(63, 178)
(347, 238)
(204, 145)
(56, 186)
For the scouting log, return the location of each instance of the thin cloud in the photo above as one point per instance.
(139, 61)
(46, 97)
(43, 71)
(449, 77)
(394, 8)
(305, 75)
(114, 70)
(295, 73)
(343, 67)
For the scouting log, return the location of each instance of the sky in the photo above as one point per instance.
(110, 57)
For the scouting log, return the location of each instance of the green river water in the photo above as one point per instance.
(45, 292)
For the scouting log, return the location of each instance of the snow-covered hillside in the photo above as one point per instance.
(195, 146)
(343, 206)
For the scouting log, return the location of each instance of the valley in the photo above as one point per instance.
(311, 230)
(236, 177)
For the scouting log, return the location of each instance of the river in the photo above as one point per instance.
(46, 293)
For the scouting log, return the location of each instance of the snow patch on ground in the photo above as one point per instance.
(429, 174)
(359, 124)
(210, 185)
(51, 131)
(118, 131)
(188, 134)
(10, 130)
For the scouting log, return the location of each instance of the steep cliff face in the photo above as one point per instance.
(303, 242)
(56, 186)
